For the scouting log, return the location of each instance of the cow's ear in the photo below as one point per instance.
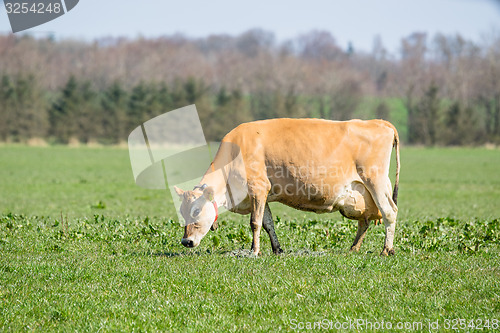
(208, 193)
(179, 192)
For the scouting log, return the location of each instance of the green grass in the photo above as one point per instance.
(84, 249)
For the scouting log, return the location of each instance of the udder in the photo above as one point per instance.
(356, 203)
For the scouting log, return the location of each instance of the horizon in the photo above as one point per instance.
(390, 21)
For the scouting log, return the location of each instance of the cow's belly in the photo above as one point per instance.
(320, 193)
(310, 192)
(351, 198)
(307, 197)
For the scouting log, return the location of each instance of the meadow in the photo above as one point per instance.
(85, 249)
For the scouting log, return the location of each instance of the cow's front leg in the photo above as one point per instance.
(256, 225)
(258, 196)
(268, 225)
(258, 189)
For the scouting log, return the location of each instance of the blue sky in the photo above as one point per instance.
(355, 21)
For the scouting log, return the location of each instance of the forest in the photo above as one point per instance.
(438, 90)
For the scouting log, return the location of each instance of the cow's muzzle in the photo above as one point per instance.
(187, 242)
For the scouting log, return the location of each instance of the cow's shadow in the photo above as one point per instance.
(239, 253)
(168, 254)
(246, 253)
(165, 254)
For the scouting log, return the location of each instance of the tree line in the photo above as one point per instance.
(443, 90)
(78, 112)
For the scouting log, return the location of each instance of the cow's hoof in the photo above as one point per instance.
(354, 249)
(278, 251)
(386, 252)
(255, 254)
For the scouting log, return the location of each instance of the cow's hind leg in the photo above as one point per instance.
(363, 225)
(381, 193)
(268, 225)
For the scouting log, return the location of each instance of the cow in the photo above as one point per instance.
(309, 164)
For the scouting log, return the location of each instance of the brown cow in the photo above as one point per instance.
(308, 164)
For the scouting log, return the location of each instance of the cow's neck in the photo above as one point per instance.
(217, 180)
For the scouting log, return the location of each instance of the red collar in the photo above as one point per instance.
(216, 211)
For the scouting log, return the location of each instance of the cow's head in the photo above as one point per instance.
(199, 211)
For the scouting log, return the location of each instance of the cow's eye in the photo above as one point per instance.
(196, 212)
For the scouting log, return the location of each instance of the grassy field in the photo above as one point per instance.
(84, 249)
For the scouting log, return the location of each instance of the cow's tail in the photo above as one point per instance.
(396, 183)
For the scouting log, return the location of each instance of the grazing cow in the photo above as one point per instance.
(308, 164)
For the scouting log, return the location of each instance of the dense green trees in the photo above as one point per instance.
(23, 108)
(79, 112)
